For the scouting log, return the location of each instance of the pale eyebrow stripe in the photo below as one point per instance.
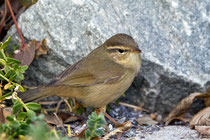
(118, 47)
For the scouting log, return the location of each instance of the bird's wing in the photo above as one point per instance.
(64, 74)
(80, 74)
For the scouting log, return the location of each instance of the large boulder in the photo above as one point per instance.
(174, 36)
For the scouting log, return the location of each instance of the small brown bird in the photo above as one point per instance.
(99, 78)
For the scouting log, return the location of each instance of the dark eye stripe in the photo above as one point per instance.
(117, 50)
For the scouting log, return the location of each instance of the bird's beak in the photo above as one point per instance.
(137, 50)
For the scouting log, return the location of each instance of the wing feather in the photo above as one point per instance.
(87, 72)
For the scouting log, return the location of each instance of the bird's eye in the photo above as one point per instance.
(121, 51)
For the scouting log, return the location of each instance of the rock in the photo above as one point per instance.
(174, 36)
(168, 133)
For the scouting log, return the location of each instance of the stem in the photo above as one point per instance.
(2, 98)
(4, 56)
(16, 25)
(5, 78)
(19, 100)
(92, 132)
(55, 133)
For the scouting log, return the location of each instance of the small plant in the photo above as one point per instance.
(22, 123)
(94, 123)
(11, 73)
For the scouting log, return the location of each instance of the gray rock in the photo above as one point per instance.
(168, 133)
(174, 36)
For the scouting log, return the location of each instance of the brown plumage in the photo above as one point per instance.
(97, 79)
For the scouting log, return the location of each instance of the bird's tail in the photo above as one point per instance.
(34, 94)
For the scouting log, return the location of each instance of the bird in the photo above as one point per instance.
(97, 79)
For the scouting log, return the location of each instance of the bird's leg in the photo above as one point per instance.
(73, 109)
(116, 124)
(123, 127)
(103, 110)
(76, 104)
(58, 105)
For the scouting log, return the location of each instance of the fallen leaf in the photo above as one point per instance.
(207, 100)
(26, 55)
(54, 119)
(7, 86)
(203, 130)
(32, 49)
(41, 48)
(71, 119)
(124, 127)
(201, 118)
(4, 112)
(180, 110)
(146, 120)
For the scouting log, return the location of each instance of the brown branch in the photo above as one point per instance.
(16, 25)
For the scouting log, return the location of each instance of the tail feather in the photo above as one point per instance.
(33, 94)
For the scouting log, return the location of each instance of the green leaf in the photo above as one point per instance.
(2, 73)
(7, 68)
(2, 54)
(9, 73)
(23, 69)
(23, 132)
(17, 106)
(99, 132)
(41, 117)
(101, 123)
(101, 116)
(94, 123)
(5, 44)
(28, 121)
(87, 134)
(31, 115)
(21, 116)
(93, 116)
(21, 89)
(12, 77)
(3, 62)
(19, 76)
(90, 124)
(33, 106)
(15, 124)
(15, 66)
(12, 61)
(10, 118)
